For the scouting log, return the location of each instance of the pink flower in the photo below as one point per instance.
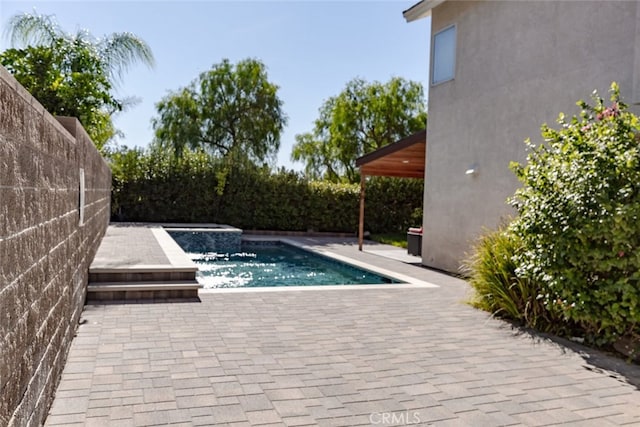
(612, 111)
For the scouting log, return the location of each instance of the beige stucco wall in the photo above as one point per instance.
(518, 64)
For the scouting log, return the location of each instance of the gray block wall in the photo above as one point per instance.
(45, 250)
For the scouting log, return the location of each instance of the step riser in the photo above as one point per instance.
(156, 276)
(146, 296)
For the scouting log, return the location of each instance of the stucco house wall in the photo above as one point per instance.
(518, 64)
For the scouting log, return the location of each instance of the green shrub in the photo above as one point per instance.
(158, 187)
(393, 205)
(578, 222)
(499, 290)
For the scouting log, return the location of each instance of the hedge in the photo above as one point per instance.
(157, 187)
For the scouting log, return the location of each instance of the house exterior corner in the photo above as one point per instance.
(516, 65)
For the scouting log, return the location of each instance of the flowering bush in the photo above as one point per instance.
(578, 222)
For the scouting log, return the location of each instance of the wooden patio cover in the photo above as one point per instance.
(403, 159)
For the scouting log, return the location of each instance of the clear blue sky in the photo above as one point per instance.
(311, 48)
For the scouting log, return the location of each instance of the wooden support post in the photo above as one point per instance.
(361, 223)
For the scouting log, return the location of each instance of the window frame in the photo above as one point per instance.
(433, 54)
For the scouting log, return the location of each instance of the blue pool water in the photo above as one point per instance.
(269, 264)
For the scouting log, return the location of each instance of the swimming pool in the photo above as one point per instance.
(270, 264)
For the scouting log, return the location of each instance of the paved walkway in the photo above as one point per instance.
(346, 357)
(142, 247)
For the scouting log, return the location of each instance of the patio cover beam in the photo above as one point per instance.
(402, 159)
(361, 220)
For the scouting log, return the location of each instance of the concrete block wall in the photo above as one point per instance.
(45, 250)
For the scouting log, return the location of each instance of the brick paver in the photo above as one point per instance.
(330, 358)
(127, 244)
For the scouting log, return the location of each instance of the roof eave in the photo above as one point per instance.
(420, 10)
(420, 136)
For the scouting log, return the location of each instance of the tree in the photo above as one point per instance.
(73, 74)
(362, 118)
(51, 77)
(230, 110)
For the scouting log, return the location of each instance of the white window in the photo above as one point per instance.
(444, 55)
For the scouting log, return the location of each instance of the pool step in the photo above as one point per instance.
(157, 274)
(154, 290)
(141, 262)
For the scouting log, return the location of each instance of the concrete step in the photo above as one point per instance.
(143, 286)
(143, 291)
(148, 275)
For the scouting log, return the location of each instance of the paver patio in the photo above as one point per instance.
(341, 357)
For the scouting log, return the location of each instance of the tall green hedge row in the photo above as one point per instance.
(157, 187)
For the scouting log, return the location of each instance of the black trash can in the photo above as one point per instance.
(414, 243)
